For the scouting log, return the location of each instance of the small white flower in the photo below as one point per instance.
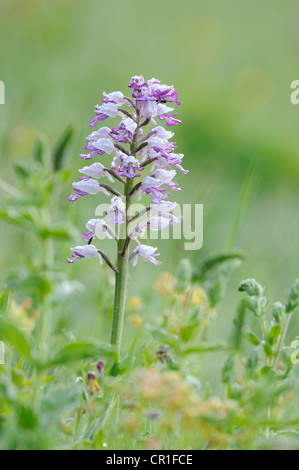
(117, 160)
(96, 170)
(129, 124)
(105, 145)
(164, 175)
(163, 109)
(116, 96)
(158, 223)
(117, 211)
(146, 252)
(103, 132)
(85, 251)
(117, 203)
(98, 226)
(150, 182)
(148, 109)
(89, 186)
(107, 109)
(163, 133)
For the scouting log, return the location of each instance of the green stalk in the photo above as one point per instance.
(121, 276)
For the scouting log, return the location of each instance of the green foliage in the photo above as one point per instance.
(55, 392)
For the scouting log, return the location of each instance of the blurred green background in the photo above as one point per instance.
(232, 63)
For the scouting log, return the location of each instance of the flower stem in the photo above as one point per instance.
(120, 281)
(121, 276)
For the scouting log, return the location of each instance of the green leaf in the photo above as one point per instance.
(163, 336)
(26, 417)
(19, 218)
(205, 347)
(268, 350)
(60, 232)
(21, 171)
(188, 331)
(61, 146)
(60, 400)
(227, 370)
(14, 336)
(212, 262)
(252, 338)
(252, 362)
(80, 351)
(120, 368)
(40, 151)
(274, 334)
(4, 299)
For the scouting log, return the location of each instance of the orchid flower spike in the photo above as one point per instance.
(132, 158)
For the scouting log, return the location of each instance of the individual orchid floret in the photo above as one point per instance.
(116, 97)
(87, 186)
(103, 112)
(136, 82)
(117, 160)
(165, 210)
(156, 147)
(163, 93)
(125, 131)
(100, 147)
(162, 133)
(86, 251)
(146, 252)
(151, 186)
(166, 177)
(128, 167)
(95, 227)
(96, 170)
(152, 223)
(148, 107)
(116, 211)
(162, 113)
(103, 132)
(167, 159)
(90, 252)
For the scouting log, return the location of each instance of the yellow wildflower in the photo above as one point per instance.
(135, 303)
(166, 284)
(136, 321)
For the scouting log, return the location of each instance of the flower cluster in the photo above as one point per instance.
(134, 151)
